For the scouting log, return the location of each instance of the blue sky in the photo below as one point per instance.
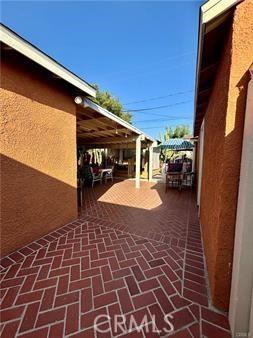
(135, 50)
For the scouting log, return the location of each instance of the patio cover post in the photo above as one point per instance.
(138, 161)
(150, 164)
(120, 156)
(194, 156)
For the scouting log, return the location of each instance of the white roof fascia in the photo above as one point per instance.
(199, 57)
(208, 11)
(113, 117)
(213, 8)
(24, 47)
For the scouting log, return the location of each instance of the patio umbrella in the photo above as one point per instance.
(177, 144)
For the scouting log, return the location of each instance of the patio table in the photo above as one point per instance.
(105, 172)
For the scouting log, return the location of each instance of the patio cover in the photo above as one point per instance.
(178, 144)
(99, 128)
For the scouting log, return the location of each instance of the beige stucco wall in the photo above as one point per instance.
(38, 162)
(224, 122)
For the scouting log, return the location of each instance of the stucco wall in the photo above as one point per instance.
(224, 122)
(38, 162)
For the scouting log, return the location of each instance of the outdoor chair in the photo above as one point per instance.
(174, 176)
(173, 180)
(96, 177)
(188, 179)
(109, 174)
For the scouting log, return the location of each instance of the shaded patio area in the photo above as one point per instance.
(131, 252)
(147, 212)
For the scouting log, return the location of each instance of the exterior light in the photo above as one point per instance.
(126, 135)
(78, 100)
(116, 131)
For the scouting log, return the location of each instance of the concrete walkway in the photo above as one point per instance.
(133, 253)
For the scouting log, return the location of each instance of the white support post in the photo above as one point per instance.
(121, 156)
(194, 157)
(201, 153)
(138, 162)
(150, 164)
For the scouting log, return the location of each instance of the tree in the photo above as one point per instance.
(178, 132)
(111, 103)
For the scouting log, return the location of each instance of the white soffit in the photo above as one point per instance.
(22, 46)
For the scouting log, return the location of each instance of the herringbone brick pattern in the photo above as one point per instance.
(89, 268)
(148, 212)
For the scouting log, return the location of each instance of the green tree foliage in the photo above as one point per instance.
(176, 132)
(111, 103)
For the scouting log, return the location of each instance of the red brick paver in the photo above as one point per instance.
(98, 265)
(147, 212)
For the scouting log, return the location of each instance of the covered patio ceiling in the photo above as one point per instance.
(99, 128)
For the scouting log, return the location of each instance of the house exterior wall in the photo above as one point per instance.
(241, 297)
(224, 121)
(38, 155)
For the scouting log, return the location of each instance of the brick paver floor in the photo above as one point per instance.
(148, 212)
(131, 252)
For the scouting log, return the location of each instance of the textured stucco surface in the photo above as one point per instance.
(38, 162)
(224, 122)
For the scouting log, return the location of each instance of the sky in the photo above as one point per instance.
(138, 51)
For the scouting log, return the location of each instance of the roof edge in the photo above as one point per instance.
(214, 8)
(24, 47)
(209, 11)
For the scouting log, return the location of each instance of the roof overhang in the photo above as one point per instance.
(14, 41)
(214, 21)
(97, 127)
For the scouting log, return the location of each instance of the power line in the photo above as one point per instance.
(165, 119)
(158, 107)
(156, 127)
(152, 114)
(159, 97)
(154, 62)
(154, 71)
